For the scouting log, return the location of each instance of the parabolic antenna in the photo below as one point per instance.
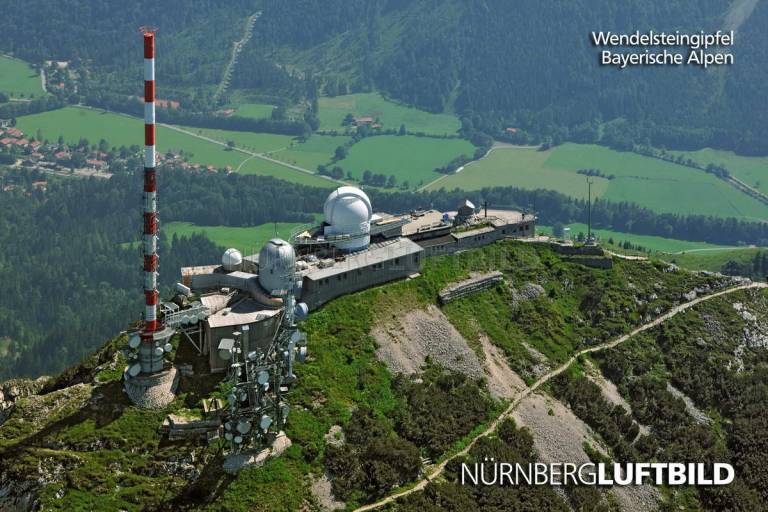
(134, 370)
(134, 341)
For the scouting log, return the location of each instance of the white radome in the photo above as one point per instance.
(277, 266)
(231, 260)
(348, 211)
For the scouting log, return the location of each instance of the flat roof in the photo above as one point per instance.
(376, 253)
(429, 220)
(247, 311)
(474, 232)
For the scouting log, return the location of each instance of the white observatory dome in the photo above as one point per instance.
(277, 266)
(348, 212)
(231, 260)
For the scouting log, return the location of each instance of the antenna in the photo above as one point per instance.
(589, 208)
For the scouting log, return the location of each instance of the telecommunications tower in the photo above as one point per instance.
(147, 367)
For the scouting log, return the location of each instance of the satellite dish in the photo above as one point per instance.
(243, 427)
(134, 341)
(159, 351)
(134, 370)
(265, 422)
(296, 337)
(284, 410)
(226, 355)
(301, 311)
(228, 436)
(301, 354)
(262, 377)
(168, 347)
(238, 439)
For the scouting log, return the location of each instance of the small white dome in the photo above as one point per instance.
(348, 211)
(231, 259)
(277, 266)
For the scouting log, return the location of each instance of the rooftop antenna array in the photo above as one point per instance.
(259, 378)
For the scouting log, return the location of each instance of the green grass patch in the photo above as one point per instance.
(248, 240)
(18, 79)
(752, 170)
(317, 150)
(656, 184)
(256, 142)
(266, 168)
(390, 114)
(254, 110)
(712, 260)
(408, 158)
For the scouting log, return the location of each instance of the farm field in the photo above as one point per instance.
(391, 115)
(254, 110)
(317, 150)
(654, 243)
(74, 123)
(408, 158)
(247, 240)
(752, 170)
(266, 168)
(256, 142)
(658, 185)
(18, 78)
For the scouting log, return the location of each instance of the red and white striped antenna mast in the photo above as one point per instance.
(151, 323)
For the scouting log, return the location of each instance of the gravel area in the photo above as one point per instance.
(694, 412)
(558, 436)
(321, 488)
(405, 344)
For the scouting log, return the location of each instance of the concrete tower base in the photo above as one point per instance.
(153, 391)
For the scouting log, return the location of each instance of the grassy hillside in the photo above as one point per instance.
(18, 79)
(112, 456)
(408, 158)
(658, 185)
(390, 114)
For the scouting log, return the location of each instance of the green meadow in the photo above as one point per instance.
(263, 167)
(658, 185)
(712, 260)
(254, 110)
(317, 150)
(256, 142)
(247, 240)
(408, 158)
(74, 123)
(390, 114)
(752, 170)
(19, 79)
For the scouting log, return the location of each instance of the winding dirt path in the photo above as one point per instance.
(438, 470)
